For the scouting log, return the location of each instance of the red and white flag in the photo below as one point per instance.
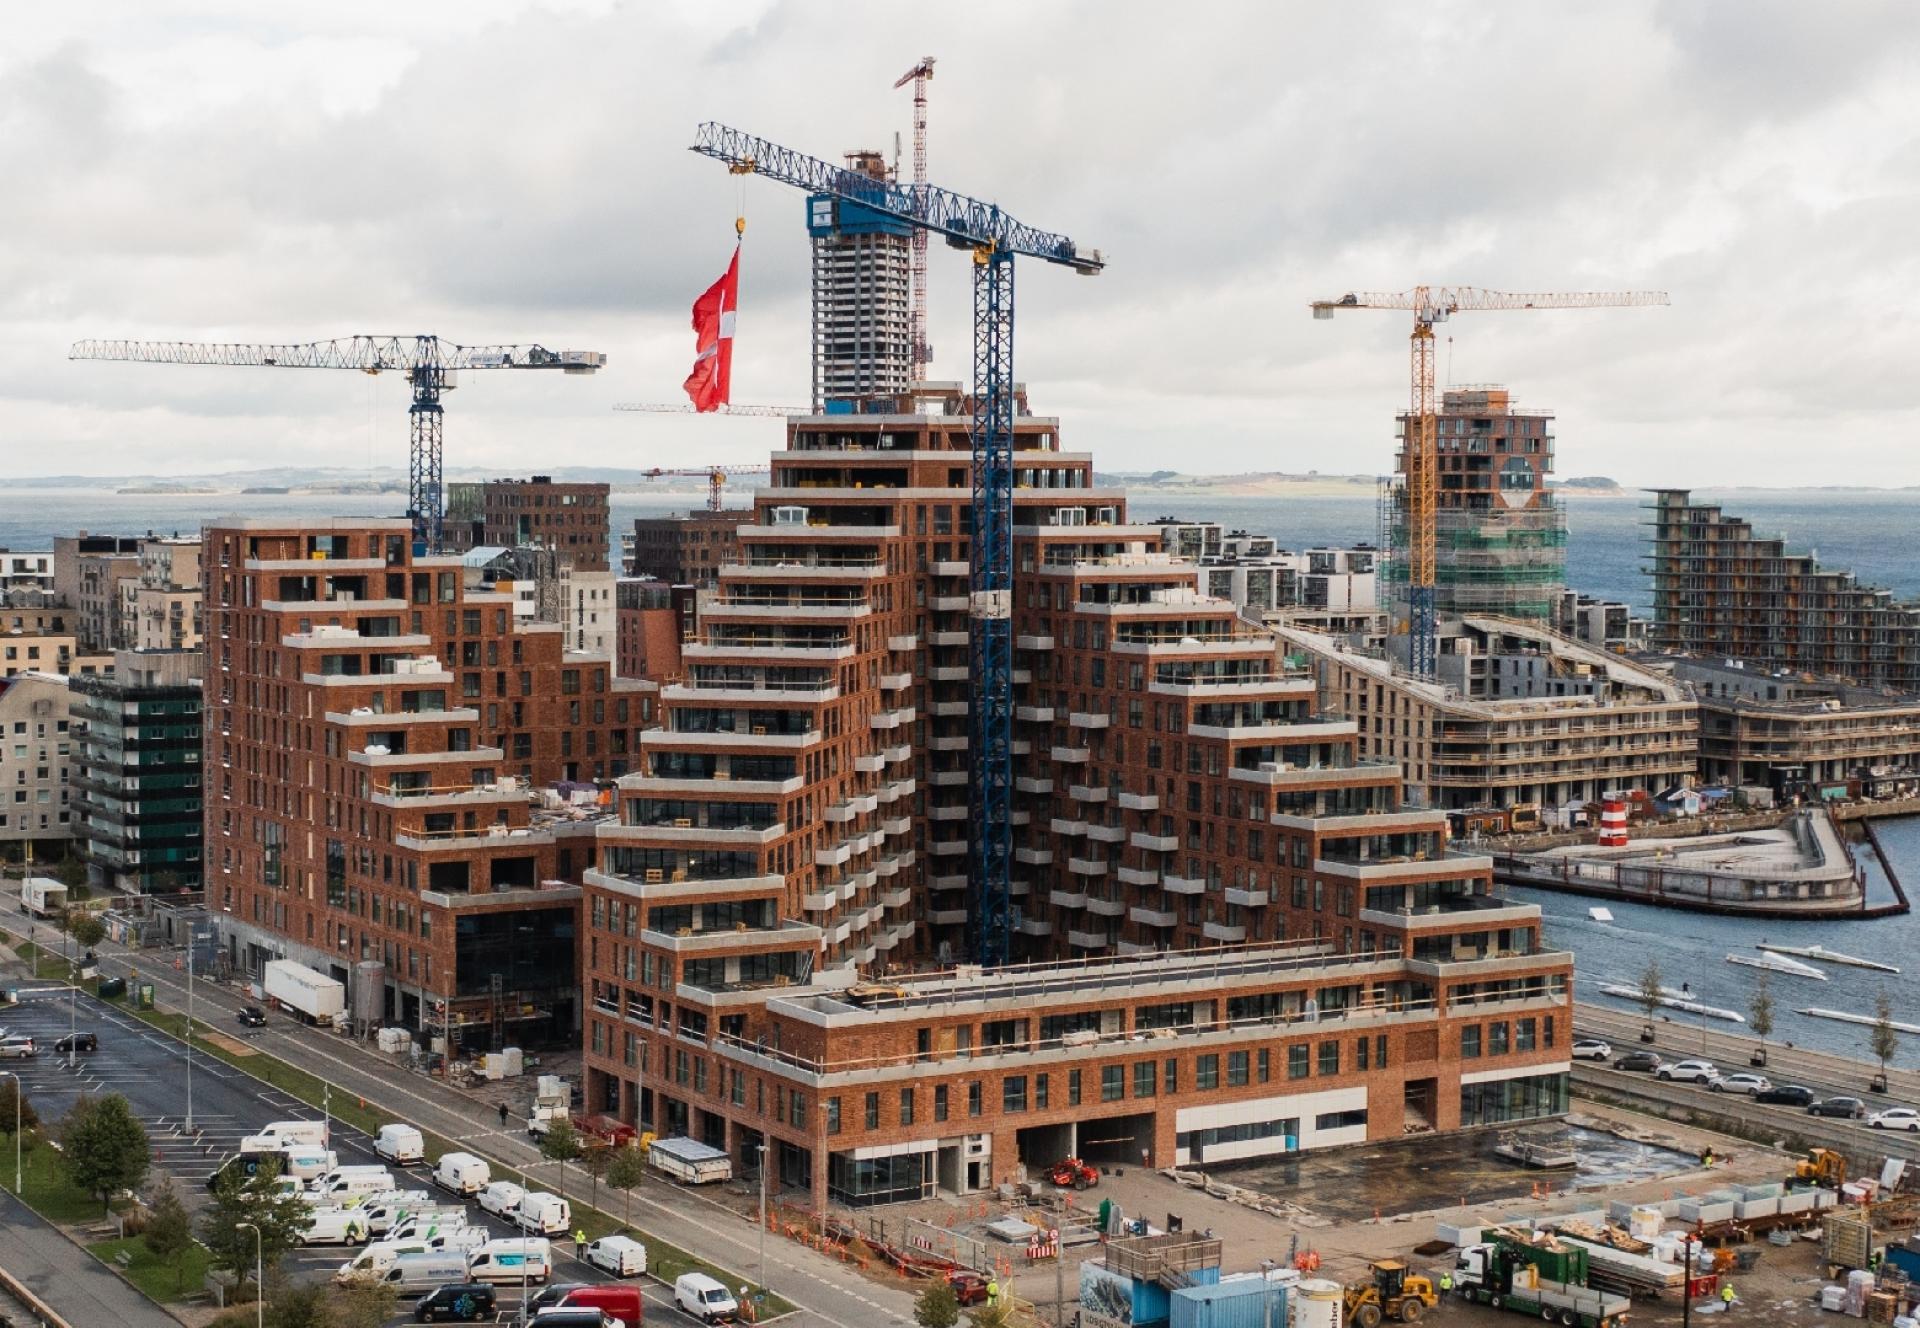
(710, 385)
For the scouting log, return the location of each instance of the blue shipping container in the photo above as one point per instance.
(1236, 1304)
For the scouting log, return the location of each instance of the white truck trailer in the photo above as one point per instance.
(314, 996)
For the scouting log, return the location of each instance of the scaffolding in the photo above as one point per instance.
(1510, 561)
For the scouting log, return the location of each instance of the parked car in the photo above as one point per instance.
(1592, 1049)
(252, 1016)
(1846, 1108)
(1639, 1060)
(1698, 1072)
(16, 1048)
(1743, 1082)
(461, 1302)
(78, 1042)
(1895, 1118)
(623, 1256)
(704, 1298)
(1786, 1095)
(969, 1287)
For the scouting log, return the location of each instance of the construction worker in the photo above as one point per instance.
(503, 1115)
(993, 1292)
(579, 1241)
(1726, 1294)
(1446, 1282)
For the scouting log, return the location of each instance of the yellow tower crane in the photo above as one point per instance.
(1420, 464)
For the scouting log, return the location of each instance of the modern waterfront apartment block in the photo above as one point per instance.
(137, 780)
(1722, 592)
(1233, 938)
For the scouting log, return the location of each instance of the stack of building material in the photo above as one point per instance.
(1859, 1286)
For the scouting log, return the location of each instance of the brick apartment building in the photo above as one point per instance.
(379, 731)
(1234, 940)
(571, 519)
(687, 549)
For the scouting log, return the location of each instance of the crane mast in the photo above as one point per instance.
(994, 239)
(1420, 455)
(921, 350)
(428, 362)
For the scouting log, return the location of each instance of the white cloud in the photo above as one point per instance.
(514, 171)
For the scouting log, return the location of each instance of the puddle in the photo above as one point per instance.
(1426, 1172)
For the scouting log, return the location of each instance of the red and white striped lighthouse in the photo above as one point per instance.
(1613, 820)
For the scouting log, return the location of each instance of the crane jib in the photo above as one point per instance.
(963, 220)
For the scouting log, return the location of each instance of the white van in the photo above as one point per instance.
(503, 1262)
(350, 1184)
(704, 1298)
(400, 1144)
(307, 1164)
(372, 1263)
(383, 1210)
(463, 1173)
(334, 1226)
(546, 1214)
(623, 1256)
(313, 1133)
(501, 1198)
(420, 1226)
(417, 1274)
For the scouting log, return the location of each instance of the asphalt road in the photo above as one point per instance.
(826, 1292)
(75, 1284)
(1826, 1074)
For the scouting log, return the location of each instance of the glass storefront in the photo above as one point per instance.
(1513, 1099)
(858, 1182)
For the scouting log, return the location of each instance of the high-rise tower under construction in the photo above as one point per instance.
(862, 333)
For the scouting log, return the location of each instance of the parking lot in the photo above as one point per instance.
(149, 1069)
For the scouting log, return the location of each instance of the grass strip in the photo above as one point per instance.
(157, 1281)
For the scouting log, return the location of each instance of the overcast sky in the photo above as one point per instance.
(498, 171)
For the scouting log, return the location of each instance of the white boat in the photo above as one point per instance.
(1674, 1001)
(1774, 963)
(1831, 956)
(1849, 1017)
(1600, 914)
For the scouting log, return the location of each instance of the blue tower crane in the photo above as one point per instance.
(995, 240)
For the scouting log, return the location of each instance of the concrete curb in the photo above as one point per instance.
(19, 1291)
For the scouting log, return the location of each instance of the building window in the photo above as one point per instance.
(1073, 1088)
(906, 1106)
(1265, 1065)
(1113, 1084)
(873, 1111)
(1170, 1076)
(1523, 1034)
(973, 1098)
(1298, 1061)
(1329, 1058)
(1497, 1038)
(1013, 1093)
(1360, 1053)
(939, 1102)
(1470, 1042)
(1340, 1120)
(1236, 1069)
(1143, 1078)
(1524, 1098)
(1206, 1072)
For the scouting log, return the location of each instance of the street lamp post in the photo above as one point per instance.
(526, 1187)
(762, 1146)
(259, 1276)
(190, 1029)
(73, 996)
(19, 1092)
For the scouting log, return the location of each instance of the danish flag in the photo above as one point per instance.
(711, 383)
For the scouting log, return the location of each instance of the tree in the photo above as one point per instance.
(561, 1144)
(299, 1305)
(1886, 1039)
(87, 930)
(71, 872)
(594, 1156)
(1760, 1008)
(937, 1306)
(103, 1147)
(626, 1169)
(1651, 991)
(9, 1090)
(238, 1199)
(169, 1232)
(364, 1305)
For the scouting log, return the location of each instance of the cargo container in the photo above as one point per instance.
(1240, 1303)
(690, 1161)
